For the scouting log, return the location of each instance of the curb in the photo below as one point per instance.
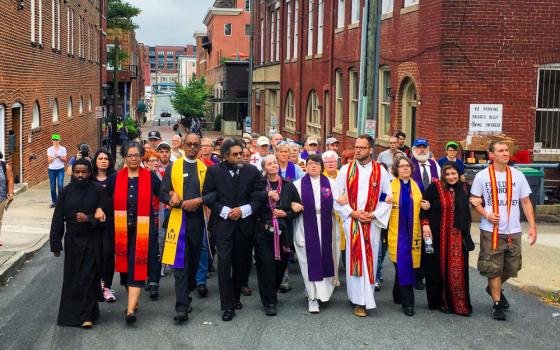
(18, 259)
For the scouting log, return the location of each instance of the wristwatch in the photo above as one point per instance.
(10, 195)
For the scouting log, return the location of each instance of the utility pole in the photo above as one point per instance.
(115, 136)
(250, 94)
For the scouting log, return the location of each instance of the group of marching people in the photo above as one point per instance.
(179, 208)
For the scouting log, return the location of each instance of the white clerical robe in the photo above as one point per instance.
(320, 290)
(360, 291)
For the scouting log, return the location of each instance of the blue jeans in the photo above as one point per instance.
(202, 273)
(381, 256)
(54, 177)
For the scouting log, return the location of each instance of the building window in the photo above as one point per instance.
(353, 108)
(227, 29)
(32, 9)
(36, 21)
(320, 25)
(277, 32)
(313, 115)
(387, 6)
(80, 52)
(547, 138)
(81, 106)
(262, 41)
(55, 111)
(296, 28)
(272, 36)
(384, 101)
(247, 30)
(290, 112)
(90, 103)
(70, 107)
(340, 14)
(339, 88)
(289, 31)
(2, 130)
(36, 116)
(247, 5)
(355, 11)
(310, 23)
(410, 2)
(55, 28)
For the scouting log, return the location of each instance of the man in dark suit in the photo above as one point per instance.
(235, 185)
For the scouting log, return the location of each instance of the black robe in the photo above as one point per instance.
(81, 286)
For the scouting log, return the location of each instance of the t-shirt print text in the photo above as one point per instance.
(502, 190)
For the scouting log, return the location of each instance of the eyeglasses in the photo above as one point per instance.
(133, 156)
(360, 148)
(404, 166)
(206, 145)
(192, 145)
(236, 154)
(153, 160)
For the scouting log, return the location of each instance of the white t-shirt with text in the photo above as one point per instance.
(482, 187)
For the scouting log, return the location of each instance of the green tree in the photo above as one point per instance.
(120, 16)
(190, 101)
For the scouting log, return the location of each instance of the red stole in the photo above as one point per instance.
(352, 180)
(142, 224)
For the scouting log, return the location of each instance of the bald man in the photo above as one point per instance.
(177, 151)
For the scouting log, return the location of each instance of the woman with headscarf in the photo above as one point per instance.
(447, 224)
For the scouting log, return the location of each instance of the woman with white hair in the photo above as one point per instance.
(287, 170)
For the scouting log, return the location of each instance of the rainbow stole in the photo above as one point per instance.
(356, 264)
(495, 200)
(144, 207)
(174, 249)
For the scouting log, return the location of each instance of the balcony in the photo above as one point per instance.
(207, 43)
(126, 73)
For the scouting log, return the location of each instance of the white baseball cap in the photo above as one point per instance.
(263, 141)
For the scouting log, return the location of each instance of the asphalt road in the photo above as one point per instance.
(163, 102)
(29, 306)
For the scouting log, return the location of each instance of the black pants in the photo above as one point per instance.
(419, 273)
(185, 278)
(269, 271)
(234, 252)
(402, 294)
(108, 260)
(154, 259)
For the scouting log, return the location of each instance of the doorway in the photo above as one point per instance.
(409, 106)
(15, 144)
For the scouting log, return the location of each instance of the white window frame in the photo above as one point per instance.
(310, 23)
(408, 3)
(58, 25)
(296, 29)
(320, 25)
(387, 6)
(339, 95)
(353, 84)
(32, 9)
(70, 107)
(72, 31)
(290, 112)
(36, 116)
(68, 29)
(40, 29)
(262, 41)
(90, 103)
(313, 115)
(272, 36)
(277, 56)
(53, 31)
(289, 30)
(341, 13)
(355, 12)
(384, 102)
(55, 113)
(230, 29)
(81, 105)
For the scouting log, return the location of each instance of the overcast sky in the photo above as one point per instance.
(170, 22)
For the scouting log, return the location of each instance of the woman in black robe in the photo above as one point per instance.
(81, 286)
(448, 223)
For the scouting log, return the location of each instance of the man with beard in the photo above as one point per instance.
(425, 170)
(232, 223)
(76, 220)
(263, 146)
(181, 190)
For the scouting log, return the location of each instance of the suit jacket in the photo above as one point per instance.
(220, 181)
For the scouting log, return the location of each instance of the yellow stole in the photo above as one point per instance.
(337, 218)
(394, 222)
(176, 215)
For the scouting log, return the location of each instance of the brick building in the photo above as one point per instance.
(437, 58)
(50, 79)
(200, 37)
(164, 65)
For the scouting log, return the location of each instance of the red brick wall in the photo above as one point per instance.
(29, 74)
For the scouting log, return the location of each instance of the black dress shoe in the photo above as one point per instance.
(270, 310)
(181, 316)
(228, 315)
(246, 291)
(420, 285)
(130, 318)
(503, 301)
(238, 305)
(408, 310)
(202, 290)
(154, 294)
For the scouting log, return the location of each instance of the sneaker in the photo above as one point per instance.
(503, 300)
(498, 312)
(314, 306)
(53, 205)
(109, 295)
(285, 286)
(377, 287)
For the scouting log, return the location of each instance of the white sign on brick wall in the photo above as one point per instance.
(486, 117)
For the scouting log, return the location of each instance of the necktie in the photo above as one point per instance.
(425, 177)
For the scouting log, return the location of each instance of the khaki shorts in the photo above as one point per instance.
(503, 262)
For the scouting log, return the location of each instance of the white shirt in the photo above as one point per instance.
(482, 188)
(256, 160)
(57, 162)
(429, 170)
(246, 209)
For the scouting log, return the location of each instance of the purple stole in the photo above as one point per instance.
(290, 173)
(304, 155)
(417, 172)
(405, 266)
(320, 262)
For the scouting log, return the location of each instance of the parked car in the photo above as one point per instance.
(165, 113)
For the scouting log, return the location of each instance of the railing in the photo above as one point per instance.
(547, 118)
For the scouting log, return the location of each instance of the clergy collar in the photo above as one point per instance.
(192, 161)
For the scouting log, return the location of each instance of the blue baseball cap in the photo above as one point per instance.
(420, 142)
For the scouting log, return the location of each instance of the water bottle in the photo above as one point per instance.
(428, 245)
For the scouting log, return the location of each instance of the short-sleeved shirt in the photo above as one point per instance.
(442, 161)
(482, 188)
(386, 157)
(57, 163)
